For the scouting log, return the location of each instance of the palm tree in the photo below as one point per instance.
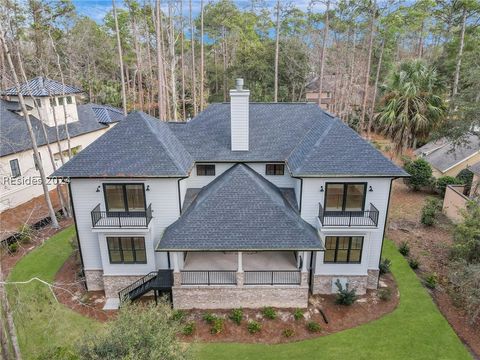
(412, 105)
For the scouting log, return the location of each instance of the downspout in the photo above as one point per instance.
(385, 227)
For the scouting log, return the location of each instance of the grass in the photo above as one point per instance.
(415, 330)
(43, 324)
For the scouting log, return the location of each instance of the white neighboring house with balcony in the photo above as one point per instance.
(48, 102)
(248, 204)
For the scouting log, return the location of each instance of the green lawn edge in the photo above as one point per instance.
(42, 323)
(415, 330)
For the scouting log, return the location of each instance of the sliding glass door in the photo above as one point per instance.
(124, 198)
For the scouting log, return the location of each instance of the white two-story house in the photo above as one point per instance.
(248, 204)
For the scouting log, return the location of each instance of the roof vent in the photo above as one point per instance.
(239, 117)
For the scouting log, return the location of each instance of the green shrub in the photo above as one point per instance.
(465, 177)
(189, 328)
(313, 327)
(288, 332)
(269, 313)
(442, 182)
(237, 316)
(209, 317)
(217, 326)
(345, 296)
(414, 263)
(430, 211)
(254, 327)
(431, 281)
(178, 315)
(25, 234)
(13, 247)
(384, 294)
(420, 174)
(404, 249)
(385, 266)
(298, 314)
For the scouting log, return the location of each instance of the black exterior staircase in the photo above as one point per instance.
(156, 281)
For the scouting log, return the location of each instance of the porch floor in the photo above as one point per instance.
(262, 260)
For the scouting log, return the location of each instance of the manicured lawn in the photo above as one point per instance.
(40, 321)
(415, 330)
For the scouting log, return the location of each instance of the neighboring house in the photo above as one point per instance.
(448, 159)
(328, 95)
(457, 196)
(20, 177)
(248, 204)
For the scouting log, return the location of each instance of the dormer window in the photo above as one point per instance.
(53, 102)
(205, 170)
(69, 100)
(275, 169)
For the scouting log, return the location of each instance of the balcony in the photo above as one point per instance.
(348, 218)
(121, 219)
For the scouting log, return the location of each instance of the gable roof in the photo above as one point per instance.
(41, 86)
(240, 210)
(14, 136)
(139, 146)
(443, 154)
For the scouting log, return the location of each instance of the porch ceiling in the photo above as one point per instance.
(262, 260)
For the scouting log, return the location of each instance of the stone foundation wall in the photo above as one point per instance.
(94, 280)
(372, 280)
(223, 297)
(322, 284)
(113, 284)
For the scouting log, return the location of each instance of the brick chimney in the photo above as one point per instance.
(239, 116)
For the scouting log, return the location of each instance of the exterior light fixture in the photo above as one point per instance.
(98, 188)
(321, 188)
(370, 188)
(148, 188)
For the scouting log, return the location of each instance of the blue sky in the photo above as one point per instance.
(96, 9)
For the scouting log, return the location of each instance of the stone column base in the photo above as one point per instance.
(94, 280)
(372, 280)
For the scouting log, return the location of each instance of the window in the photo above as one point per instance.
(69, 100)
(15, 167)
(53, 102)
(343, 249)
(35, 162)
(124, 197)
(274, 169)
(205, 170)
(38, 102)
(345, 197)
(126, 250)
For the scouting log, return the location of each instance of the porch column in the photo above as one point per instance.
(304, 273)
(177, 280)
(240, 273)
(304, 261)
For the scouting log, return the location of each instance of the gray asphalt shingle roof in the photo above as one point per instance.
(443, 154)
(139, 146)
(42, 86)
(240, 210)
(475, 168)
(14, 137)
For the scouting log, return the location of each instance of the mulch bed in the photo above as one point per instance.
(368, 308)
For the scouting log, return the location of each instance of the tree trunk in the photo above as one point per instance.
(182, 61)
(277, 44)
(51, 211)
(323, 56)
(160, 78)
(138, 53)
(377, 77)
(120, 58)
(173, 61)
(202, 60)
(367, 73)
(194, 80)
(460, 53)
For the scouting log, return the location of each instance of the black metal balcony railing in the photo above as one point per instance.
(209, 277)
(274, 277)
(348, 218)
(121, 219)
